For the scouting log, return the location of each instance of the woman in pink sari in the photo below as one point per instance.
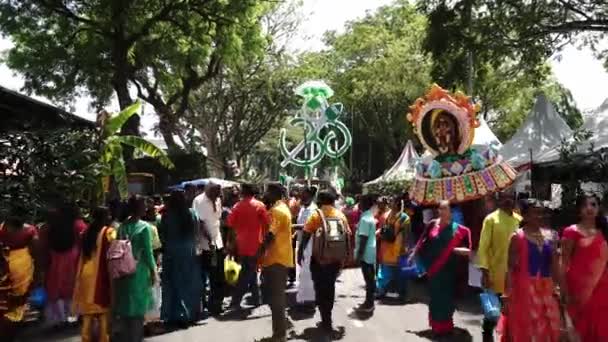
(585, 257)
(531, 311)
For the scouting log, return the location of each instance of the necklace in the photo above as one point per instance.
(538, 238)
(587, 231)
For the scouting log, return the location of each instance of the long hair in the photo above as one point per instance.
(100, 217)
(178, 208)
(600, 221)
(134, 203)
(62, 235)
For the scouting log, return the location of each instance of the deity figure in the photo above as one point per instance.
(445, 132)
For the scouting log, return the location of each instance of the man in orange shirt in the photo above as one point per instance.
(249, 218)
(277, 257)
(324, 276)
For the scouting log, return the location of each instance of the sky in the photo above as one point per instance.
(578, 70)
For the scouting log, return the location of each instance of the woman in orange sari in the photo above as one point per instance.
(92, 289)
(585, 258)
(18, 243)
(531, 310)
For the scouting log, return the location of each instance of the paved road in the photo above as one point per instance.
(390, 322)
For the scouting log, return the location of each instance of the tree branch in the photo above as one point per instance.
(60, 8)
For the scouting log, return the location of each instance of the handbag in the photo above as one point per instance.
(387, 233)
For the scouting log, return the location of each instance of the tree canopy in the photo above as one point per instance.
(166, 48)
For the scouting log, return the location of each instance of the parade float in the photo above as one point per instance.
(324, 134)
(455, 171)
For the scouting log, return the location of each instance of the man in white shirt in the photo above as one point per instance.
(306, 290)
(208, 207)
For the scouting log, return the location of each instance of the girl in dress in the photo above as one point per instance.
(531, 310)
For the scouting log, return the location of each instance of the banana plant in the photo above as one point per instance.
(111, 147)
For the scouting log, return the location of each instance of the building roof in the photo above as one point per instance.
(19, 112)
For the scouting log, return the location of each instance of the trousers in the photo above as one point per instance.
(324, 279)
(213, 266)
(248, 279)
(275, 280)
(369, 275)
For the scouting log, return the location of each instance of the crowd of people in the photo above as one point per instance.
(550, 283)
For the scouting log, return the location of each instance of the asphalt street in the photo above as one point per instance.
(391, 321)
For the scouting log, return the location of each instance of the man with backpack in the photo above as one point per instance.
(330, 233)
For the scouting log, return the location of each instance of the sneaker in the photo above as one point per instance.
(235, 307)
(365, 308)
(380, 295)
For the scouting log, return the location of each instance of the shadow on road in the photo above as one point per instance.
(459, 335)
(317, 335)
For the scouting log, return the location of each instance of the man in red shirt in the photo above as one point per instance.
(249, 219)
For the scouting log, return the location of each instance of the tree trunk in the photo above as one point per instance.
(166, 128)
(215, 162)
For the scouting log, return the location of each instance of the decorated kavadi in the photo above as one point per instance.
(325, 134)
(445, 124)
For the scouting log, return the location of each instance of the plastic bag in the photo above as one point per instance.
(38, 298)
(490, 305)
(410, 269)
(231, 271)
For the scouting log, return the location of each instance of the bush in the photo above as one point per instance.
(392, 188)
(39, 168)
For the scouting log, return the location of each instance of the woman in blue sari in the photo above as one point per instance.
(180, 279)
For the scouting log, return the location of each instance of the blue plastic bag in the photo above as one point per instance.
(38, 298)
(490, 305)
(411, 269)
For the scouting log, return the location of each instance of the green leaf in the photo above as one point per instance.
(145, 147)
(119, 172)
(115, 122)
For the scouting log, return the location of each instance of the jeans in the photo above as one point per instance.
(275, 279)
(130, 329)
(213, 266)
(248, 279)
(324, 278)
(369, 275)
(390, 274)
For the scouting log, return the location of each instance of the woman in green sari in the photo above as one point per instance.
(438, 250)
(133, 293)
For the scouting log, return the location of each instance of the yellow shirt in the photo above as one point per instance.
(280, 250)
(493, 252)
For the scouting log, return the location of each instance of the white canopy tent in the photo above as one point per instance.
(484, 137)
(596, 122)
(543, 129)
(403, 169)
